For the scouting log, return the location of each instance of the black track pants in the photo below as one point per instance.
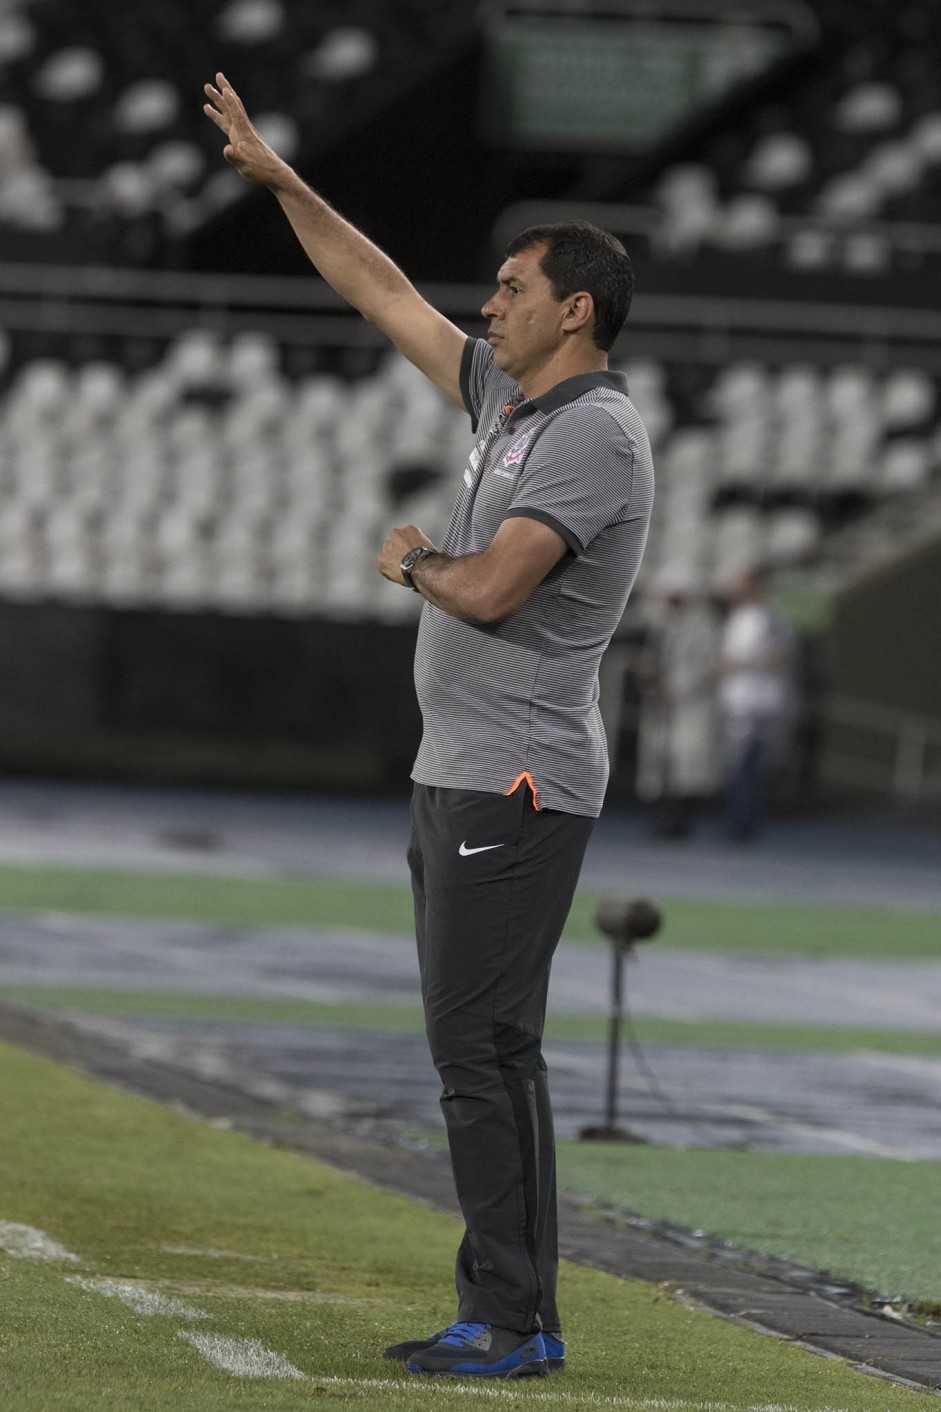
(493, 880)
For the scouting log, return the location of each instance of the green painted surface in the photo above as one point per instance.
(778, 928)
(317, 1267)
(867, 1219)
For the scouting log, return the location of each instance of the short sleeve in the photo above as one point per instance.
(578, 476)
(476, 368)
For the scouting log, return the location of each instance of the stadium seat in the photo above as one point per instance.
(343, 54)
(70, 74)
(779, 160)
(868, 107)
(905, 465)
(749, 221)
(250, 22)
(147, 106)
(686, 199)
(210, 477)
(17, 36)
(793, 535)
(908, 400)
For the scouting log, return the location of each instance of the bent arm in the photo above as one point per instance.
(480, 588)
(350, 263)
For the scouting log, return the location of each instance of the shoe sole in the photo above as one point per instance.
(538, 1368)
(398, 1354)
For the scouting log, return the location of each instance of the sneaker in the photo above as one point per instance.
(555, 1352)
(483, 1351)
(402, 1352)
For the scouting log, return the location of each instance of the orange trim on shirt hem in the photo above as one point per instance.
(524, 778)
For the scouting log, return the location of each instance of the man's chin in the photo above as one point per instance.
(502, 358)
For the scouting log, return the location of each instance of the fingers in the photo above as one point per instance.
(228, 98)
(216, 116)
(215, 108)
(222, 84)
(224, 105)
(245, 150)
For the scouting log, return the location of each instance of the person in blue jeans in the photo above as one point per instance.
(755, 695)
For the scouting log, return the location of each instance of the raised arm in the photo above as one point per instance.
(356, 268)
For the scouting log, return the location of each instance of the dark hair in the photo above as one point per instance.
(582, 256)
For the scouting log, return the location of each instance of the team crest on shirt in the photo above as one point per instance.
(514, 456)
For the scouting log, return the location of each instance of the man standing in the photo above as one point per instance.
(520, 602)
(755, 694)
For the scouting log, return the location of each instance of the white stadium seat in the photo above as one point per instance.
(70, 74)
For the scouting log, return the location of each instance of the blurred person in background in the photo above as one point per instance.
(520, 603)
(756, 698)
(678, 745)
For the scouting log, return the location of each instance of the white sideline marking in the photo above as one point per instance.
(27, 1243)
(248, 1358)
(245, 1357)
(502, 1391)
(138, 1298)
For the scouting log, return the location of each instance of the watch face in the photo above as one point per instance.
(408, 562)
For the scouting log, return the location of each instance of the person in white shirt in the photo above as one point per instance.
(755, 700)
(678, 755)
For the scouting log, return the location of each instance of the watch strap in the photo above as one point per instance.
(413, 557)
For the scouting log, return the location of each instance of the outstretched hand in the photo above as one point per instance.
(246, 150)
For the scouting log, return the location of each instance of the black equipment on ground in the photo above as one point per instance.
(623, 923)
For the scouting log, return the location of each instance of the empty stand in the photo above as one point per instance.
(104, 151)
(212, 478)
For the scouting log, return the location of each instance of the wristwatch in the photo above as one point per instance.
(413, 557)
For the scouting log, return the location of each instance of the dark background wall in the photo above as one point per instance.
(162, 696)
(885, 640)
(416, 177)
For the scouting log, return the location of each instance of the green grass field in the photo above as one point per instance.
(867, 1220)
(209, 1271)
(399, 1018)
(702, 925)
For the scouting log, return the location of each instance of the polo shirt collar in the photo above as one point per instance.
(567, 391)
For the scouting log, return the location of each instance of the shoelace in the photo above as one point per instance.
(460, 1334)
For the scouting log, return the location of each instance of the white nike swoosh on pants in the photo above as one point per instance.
(466, 852)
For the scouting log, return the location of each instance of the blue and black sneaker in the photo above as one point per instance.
(483, 1351)
(402, 1352)
(555, 1351)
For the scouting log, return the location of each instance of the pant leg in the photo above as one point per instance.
(748, 757)
(547, 1249)
(488, 921)
(547, 1244)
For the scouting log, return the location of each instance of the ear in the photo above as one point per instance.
(579, 312)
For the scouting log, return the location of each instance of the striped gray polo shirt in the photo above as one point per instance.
(520, 697)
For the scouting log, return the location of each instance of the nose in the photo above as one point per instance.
(490, 309)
